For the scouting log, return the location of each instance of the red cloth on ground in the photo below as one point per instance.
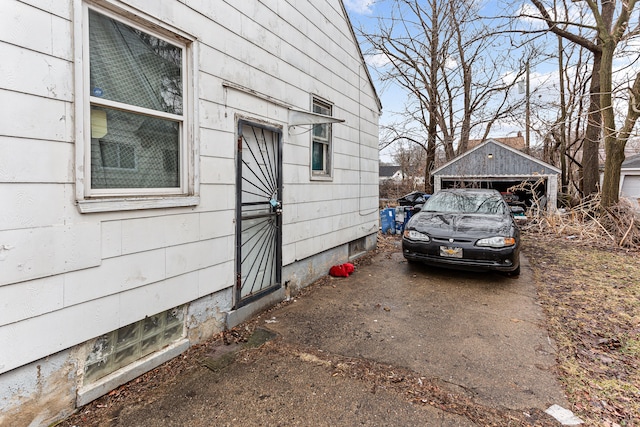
(342, 270)
(348, 267)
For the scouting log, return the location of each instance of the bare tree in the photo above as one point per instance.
(610, 26)
(411, 158)
(563, 136)
(477, 79)
(444, 57)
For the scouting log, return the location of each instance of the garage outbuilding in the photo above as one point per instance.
(498, 166)
(630, 178)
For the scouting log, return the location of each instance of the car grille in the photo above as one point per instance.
(448, 241)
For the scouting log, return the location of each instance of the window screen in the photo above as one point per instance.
(136, 87)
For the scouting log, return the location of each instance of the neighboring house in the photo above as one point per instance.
(393, 173)
(516, 142)
(167, 169)
(630, 178)
(631, 148)
(496, 165)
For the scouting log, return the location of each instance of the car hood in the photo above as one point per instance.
(459, 225)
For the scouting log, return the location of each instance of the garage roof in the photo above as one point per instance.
(632, 162)
(492, 159)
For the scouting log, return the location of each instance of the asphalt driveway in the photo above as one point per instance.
(393, 344)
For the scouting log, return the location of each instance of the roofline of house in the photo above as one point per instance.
(533, 159)
(484, 177)
(631, 159)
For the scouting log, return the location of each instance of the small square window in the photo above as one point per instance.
(116, 155)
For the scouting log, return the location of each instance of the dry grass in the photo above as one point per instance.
(618, 225)
(587, 269)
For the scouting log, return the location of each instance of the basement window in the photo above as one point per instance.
(121, 347)
(357, 247)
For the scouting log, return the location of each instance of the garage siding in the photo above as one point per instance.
(494, 159)
(497, 164)
(631, 186)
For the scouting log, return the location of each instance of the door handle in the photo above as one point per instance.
(276, 206)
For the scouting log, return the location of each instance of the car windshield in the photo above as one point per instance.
(465, 202)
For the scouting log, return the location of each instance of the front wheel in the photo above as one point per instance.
(514, 273)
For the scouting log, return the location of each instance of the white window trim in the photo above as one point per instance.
(321, 175)
(133, 199)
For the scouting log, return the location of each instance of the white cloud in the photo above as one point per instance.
(529, 15)
(576, 12)
(377, 61)
(451, 63)
(359, 6)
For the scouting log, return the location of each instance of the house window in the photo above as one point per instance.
(121, 347)
(321, 142)
(136, 111)
(116, 155)
(170, 160)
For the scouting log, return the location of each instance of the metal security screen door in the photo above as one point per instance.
(258, 211)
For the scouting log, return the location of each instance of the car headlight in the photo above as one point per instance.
(496, 242)
(416, 235)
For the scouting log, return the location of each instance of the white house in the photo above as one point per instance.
(167, 169)
(393, 173)
(630, 179)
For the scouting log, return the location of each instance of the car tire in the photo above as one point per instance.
(514, 273)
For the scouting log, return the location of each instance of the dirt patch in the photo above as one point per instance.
(591, 297)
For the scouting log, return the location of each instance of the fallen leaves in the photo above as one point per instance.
(591, 298)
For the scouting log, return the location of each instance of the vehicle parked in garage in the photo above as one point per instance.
(464, 228)
(414, 198)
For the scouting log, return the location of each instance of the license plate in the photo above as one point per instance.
(450, 252)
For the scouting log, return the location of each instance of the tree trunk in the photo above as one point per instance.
(432, 133)
(616, 142)
(431, 156)
(590, 166)
(449, 152)
(563, 119)
(611, 182)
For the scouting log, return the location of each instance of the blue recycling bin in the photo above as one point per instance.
(400, 215)
(388, 220)
(403, 214)
(408, 213)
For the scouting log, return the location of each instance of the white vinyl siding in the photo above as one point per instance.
(81, 260)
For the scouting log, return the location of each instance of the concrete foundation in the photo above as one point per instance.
(50, 389)
(38, 393)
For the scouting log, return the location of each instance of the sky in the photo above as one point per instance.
(360, 7)
(364, 13)
(543, 75)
